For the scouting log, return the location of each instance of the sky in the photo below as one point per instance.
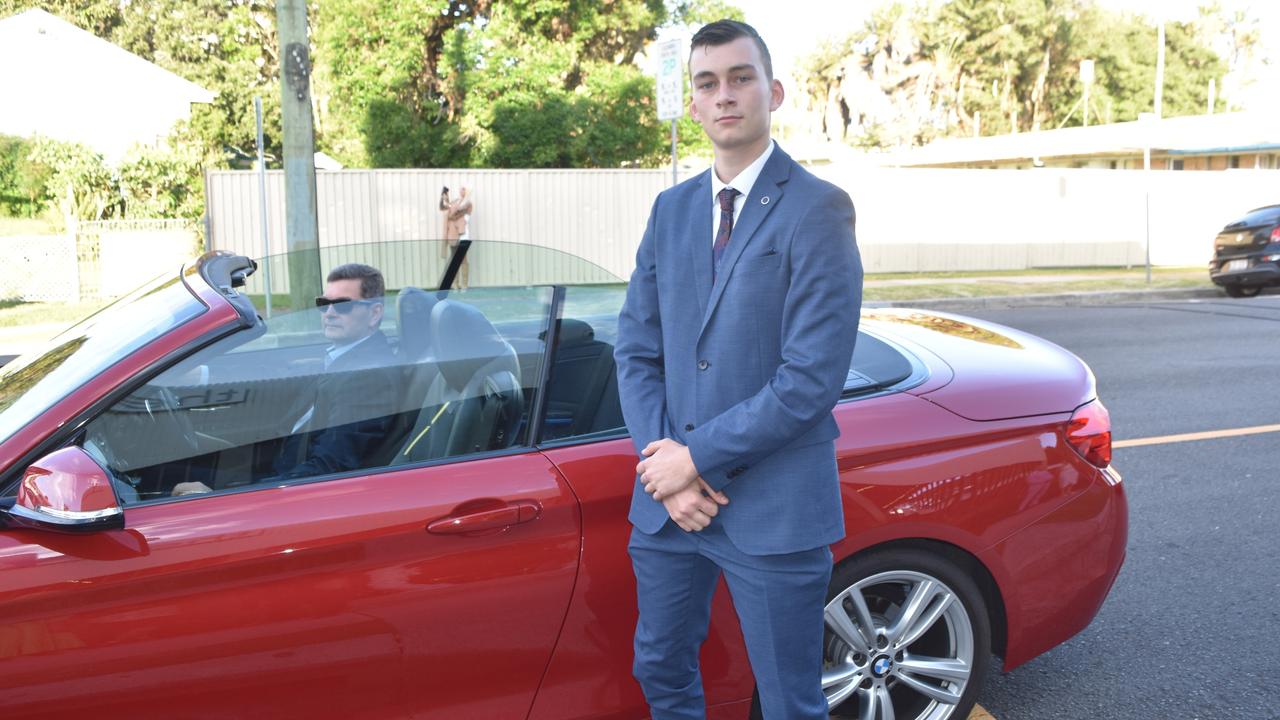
(792, 28)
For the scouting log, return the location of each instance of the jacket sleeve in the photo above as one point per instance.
(638, 353)
(819, 327)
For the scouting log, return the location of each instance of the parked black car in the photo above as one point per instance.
(1246, 254)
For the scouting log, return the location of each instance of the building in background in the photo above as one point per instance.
(1196, 142)
(65, 83)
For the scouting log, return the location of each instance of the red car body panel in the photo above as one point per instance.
(333, 599)
(327, 599)
(1003, 372)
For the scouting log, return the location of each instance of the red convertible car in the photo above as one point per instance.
(474, 565)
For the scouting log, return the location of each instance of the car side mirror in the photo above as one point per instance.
(66, 491)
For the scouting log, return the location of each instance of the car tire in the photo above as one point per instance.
(1242, 291)
(933, 668)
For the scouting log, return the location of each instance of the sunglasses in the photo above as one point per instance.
(342, 306)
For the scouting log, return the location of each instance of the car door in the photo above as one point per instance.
(428, 586)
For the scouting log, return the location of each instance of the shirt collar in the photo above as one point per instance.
(336, 351)
(745, 179)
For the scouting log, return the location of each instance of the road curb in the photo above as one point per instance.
(1076, 299)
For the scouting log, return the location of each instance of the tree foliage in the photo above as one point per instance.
(416, 83)
(967, 67)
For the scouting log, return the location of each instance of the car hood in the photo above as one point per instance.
(992, 372)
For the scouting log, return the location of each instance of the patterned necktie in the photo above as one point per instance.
(725, 197)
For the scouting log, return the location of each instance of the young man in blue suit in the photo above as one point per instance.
(733, 347)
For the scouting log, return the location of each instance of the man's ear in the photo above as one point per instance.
(375, 315)
(776, 95)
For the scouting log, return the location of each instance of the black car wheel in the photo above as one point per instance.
(1242, 291)
(907, 637)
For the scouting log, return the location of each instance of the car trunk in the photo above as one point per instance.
(1249, 234)
(999, 372)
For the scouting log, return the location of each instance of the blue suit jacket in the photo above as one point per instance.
(745, 370)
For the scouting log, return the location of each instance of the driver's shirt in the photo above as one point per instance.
(331, 355)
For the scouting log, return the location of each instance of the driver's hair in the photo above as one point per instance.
(372, 287)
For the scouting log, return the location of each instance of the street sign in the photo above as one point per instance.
(670, 80)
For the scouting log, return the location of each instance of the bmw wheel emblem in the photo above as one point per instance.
(881, 666)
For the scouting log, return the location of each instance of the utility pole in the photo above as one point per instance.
(302, 234)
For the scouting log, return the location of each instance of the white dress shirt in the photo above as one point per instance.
(742, 183)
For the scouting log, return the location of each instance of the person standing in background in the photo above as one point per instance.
(457, 220)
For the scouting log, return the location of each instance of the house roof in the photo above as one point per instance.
(1188, 135)
(66, 57)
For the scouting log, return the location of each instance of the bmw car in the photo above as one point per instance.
(474, 564)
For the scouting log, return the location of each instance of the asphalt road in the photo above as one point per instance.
(1191, 629)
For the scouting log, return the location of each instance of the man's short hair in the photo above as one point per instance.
(372, 286)
(723, 32)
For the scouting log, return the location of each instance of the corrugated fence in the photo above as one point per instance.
(909, 220)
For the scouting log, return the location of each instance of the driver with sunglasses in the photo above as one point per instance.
(356, 395)
(349, 409)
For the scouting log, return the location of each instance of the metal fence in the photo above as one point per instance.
(597, 215)
(99, 260)
(39, 268)
(909, 220)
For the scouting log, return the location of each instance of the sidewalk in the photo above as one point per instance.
(21, 338)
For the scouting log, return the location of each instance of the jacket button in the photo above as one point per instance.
(703, 364)
(688, 427)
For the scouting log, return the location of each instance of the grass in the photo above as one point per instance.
(15, 313)
(24, 226)
(943, 289)
(1034, 272)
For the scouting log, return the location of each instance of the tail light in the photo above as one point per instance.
(1089, 432)
(1275, 234)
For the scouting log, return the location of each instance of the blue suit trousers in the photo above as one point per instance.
(779, 600)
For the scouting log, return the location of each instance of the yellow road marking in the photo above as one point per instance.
(980, 713)
(1187, 437)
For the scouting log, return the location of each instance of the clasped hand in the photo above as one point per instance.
(669, 475)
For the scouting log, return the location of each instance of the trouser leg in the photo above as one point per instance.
(779, 600)
(674, 586)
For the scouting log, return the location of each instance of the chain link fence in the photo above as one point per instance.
(100, 260)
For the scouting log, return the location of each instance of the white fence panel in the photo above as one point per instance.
(39, 268)
(909, 220)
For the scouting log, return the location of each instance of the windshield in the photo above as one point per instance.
(31, 384)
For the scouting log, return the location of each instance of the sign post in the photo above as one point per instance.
(671, 90)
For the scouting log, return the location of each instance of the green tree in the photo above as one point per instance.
(22, 181)
(994, 66)
(163, 183)
(77, 179)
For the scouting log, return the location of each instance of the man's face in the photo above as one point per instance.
(357, 324)
(732, 96)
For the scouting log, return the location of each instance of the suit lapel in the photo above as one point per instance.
(754, 211)
(700, 245)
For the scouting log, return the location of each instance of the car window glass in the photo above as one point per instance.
(445, 375)
(34, 382)
(876, 364)
(582, 395)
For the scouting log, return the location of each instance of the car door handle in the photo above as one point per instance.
(487, 519)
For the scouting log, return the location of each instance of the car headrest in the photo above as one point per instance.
(413, 308)
(463, 341)
(575, 332)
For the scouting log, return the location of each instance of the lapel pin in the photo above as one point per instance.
(764, 200)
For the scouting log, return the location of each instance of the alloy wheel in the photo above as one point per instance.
(899, 644)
